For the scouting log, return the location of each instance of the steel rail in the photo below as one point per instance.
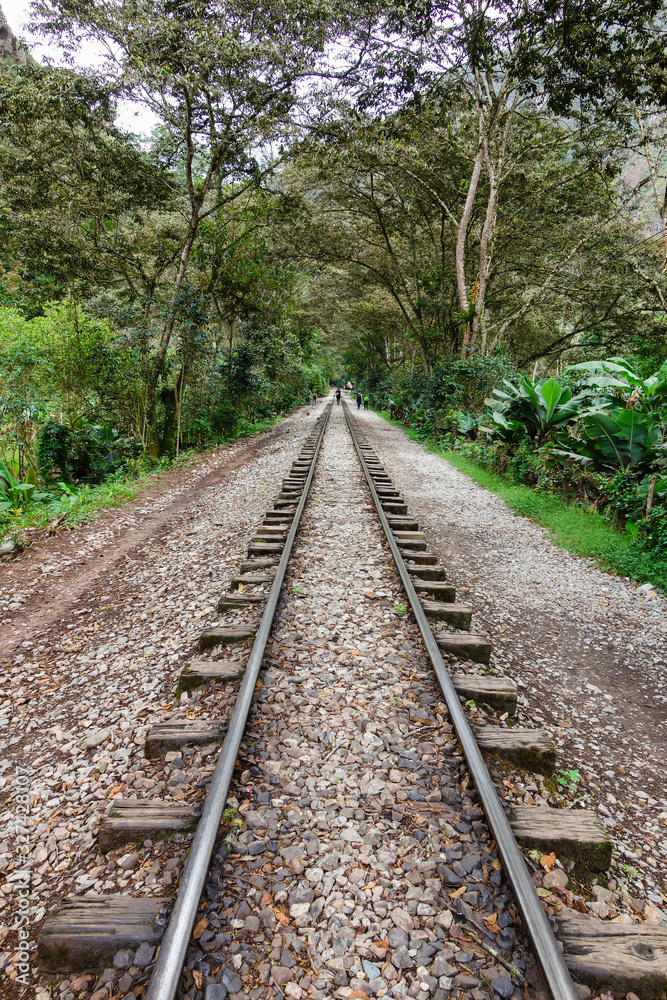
(169, 964)
(547, 952)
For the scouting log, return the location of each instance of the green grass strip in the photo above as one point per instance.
(570, 526)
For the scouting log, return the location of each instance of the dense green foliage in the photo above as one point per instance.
(449, 203)
(556, 454)
(72, 395)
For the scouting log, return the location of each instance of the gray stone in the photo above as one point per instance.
(122, 959)
(301, 893)
(177, 778)
(286, 959)
(231, 981)
(125, 983)
(448, 875)
(400, 958)
(281, 975)
(96, 739)
(216, 991)
(128, 862)
(470, 862)
(555, 878)
(255, 820)
(603, 895)
(371, 970)
(402, 919)
(343, 941)
(144, 955)
(441, 967)
(397, 937)
(424, 954)
(502, 987)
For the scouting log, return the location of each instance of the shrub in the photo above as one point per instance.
(54, 450)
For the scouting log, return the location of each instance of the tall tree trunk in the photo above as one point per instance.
(152, 436)
(463, 230)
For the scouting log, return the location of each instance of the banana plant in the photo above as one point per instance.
(622, 439)
(616, 373)
(16, 492)
(540, 406)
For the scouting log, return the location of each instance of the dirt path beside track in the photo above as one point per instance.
(38, 586)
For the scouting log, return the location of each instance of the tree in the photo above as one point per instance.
(222, 76)
(72, 187)
(593, 55)
(374, 212)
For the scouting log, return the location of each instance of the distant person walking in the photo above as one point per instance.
(358, 400)
(337, 397)
(365, 402)
(314, 398)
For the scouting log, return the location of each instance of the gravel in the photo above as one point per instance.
(585, 647)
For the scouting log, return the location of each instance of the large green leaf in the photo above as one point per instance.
(7, 477)
(541, 406)
(617, 373)
(552, 393)
(622, 439)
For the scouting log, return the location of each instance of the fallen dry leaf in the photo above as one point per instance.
(548, 862)
(200, 927)
(198, 978)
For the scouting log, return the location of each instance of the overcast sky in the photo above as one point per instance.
(131, 117)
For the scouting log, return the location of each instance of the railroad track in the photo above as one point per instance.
(88, 931)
